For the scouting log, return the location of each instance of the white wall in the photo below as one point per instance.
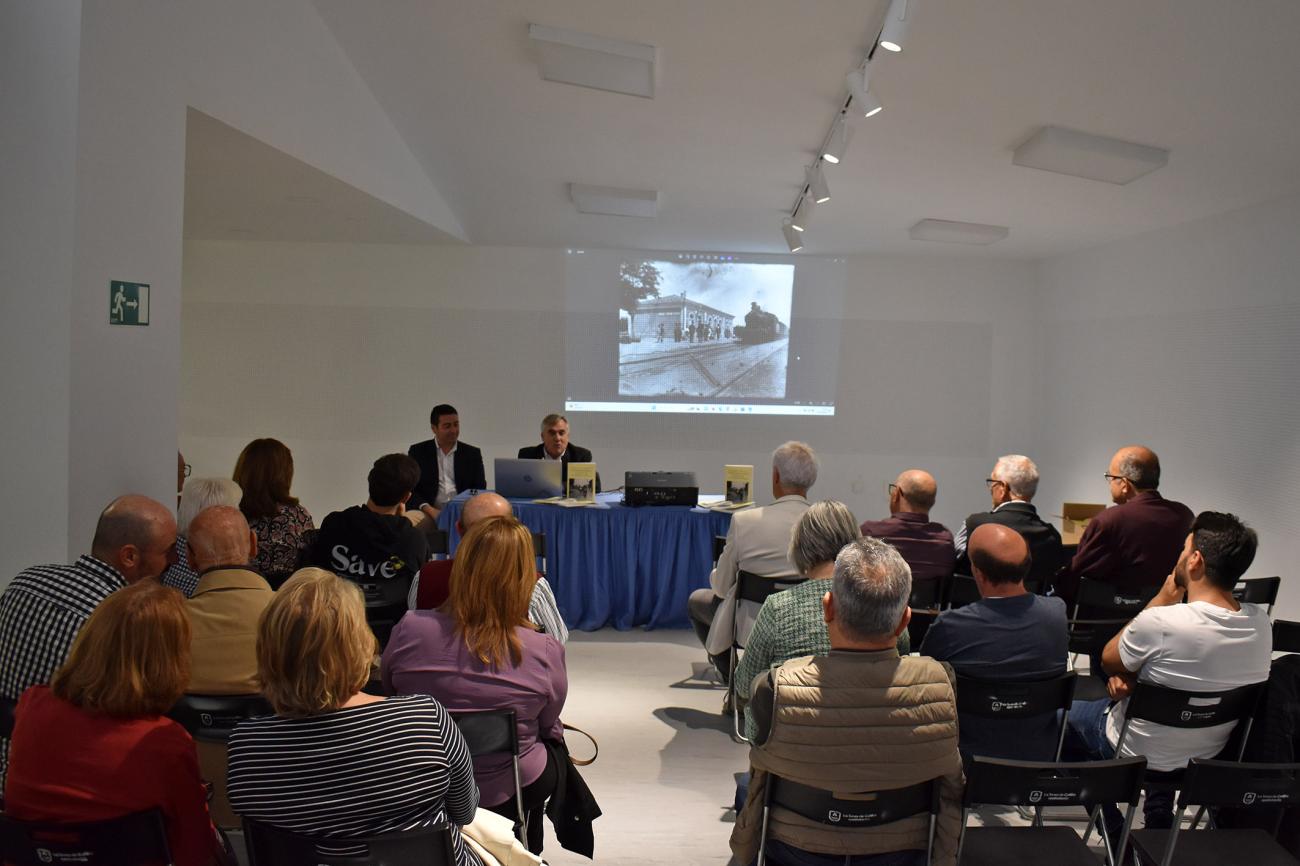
(1187, 340)
(341, 350)
(39, 47)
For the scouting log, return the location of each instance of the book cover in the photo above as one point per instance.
(739, 484)
(582, 481)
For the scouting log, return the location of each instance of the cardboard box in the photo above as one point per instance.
(1074, 519)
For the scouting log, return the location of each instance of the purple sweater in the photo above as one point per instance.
(425, 656)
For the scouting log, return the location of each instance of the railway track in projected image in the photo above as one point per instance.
(725, 368)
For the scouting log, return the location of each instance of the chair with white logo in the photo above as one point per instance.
(994, 782)
(140, 837)
(1018, 700)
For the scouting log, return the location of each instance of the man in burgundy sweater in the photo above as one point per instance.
(1137, 542)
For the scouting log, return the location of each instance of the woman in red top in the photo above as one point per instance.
(94, 744)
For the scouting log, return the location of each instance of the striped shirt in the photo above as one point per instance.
(40, 614)
(392, 765)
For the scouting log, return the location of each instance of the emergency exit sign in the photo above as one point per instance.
(128, 303)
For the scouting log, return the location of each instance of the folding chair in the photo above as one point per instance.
(850, 810)
(994, 782)
(212, 717)
(539, 550)
(1100, 612)
(1286, 636)
(439, 543)
(385, 604)
(1019, 699)
(133, 839)
(496, 732)
(1210, 784)
(427, 846)
(1258, 590)
(754, 588)
(962, 590)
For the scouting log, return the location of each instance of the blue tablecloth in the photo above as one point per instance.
(619, 566)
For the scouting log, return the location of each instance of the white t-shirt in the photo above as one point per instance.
(1195, 647)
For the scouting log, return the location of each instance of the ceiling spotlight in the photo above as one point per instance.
(817, 187)
(859, 81)
(894, 33)
(838, 142)
(799, 219)
(793, 239)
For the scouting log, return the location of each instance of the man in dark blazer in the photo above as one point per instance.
(1137, 542)
(1012, 484)
(445, 448)
(556, 446)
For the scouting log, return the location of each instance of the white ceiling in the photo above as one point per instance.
(747, 88)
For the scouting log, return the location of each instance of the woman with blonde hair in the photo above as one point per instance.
(335, 762)
(480, 652)
(94, 743)
(265, 472)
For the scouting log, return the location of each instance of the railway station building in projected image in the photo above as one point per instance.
(676, 318)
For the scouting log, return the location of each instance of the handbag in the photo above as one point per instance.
(596, 746)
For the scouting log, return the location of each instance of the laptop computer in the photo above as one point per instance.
(528, 479)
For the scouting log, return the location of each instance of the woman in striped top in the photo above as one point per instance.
(334, 762)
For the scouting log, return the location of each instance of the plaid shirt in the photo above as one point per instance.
(40, 615)
(181, 575)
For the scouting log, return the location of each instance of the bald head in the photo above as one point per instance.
(998, 554)
(917, 491)
(220, 536)
(482, 506)
(137, 536)
(1138, 465)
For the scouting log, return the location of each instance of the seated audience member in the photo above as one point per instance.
(925, 545)
(480, 652)
(1209, 644)
(790, 623)
(199, 493)
(265, 472)
(556, 446)
(374, 543)
(758, 541)
(433, 584)
(447, 465)
(333, 761)
(94, 744)
(44, 607)
(1012, 485)
(858, 719)
(1136, 543)
(1009, 634)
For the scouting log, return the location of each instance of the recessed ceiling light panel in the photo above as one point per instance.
(614, 201)
(1095, 157)
(570, 57)
(953, 232)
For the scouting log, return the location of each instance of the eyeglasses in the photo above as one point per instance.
(989, 482)
(890, 488)
(1110, 477)
(188, 470)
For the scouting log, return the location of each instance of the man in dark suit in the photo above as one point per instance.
(447, 465)
(1012, 484)
(556, 446)
(1138, 542)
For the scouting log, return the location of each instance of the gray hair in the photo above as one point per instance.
(871, 588)
(820, 534)
(201, 493)
(796, 465)
(1019, 473)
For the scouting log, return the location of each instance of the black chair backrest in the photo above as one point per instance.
(962, 590)
(1101, 610)
(1257, 590)
(719, 542)
(308, 541)
(539, 544)
(213, 717)
(1286, 636)
(1019, 699)
(133, 839)
(8, 709)
(927, 592)
(1228, 783)
(439, 544)
(1027, 783)
(756, 587)
(427, 846)
(1181, 709)
(868, 809)
(385, 603)
(489, 733)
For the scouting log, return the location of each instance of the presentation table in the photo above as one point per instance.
(611, 565)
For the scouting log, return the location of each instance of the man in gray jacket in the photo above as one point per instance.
(857, 720)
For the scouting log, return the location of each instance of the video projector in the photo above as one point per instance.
(660, 488)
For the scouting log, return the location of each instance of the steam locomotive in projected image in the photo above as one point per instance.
(760, 326)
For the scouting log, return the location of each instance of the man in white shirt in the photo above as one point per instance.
(758, 542)
(1209, 644)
